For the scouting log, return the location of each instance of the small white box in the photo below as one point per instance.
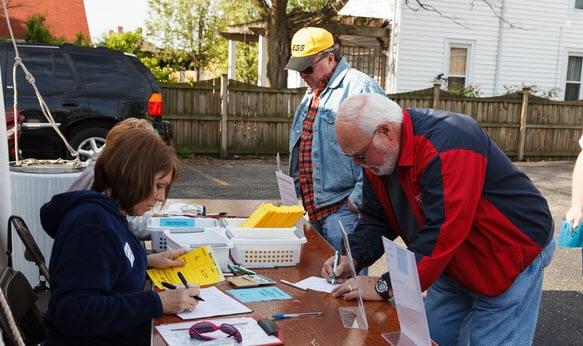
(213, 237)
(175, 224)
(266, 247)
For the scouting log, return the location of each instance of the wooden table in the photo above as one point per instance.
(324, 330)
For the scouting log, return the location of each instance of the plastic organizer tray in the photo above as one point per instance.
(266, 247)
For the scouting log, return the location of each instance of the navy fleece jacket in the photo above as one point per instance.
(97, 274)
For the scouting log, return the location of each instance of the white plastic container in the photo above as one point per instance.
(175, 224)
(266, 247)
(213, 237)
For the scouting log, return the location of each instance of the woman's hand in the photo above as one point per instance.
(178, 300)
(166, 259)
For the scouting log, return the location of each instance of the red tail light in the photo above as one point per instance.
(155, 105)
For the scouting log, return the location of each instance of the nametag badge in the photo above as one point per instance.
(129, 254)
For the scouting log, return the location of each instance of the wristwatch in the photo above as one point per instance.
(382, 288)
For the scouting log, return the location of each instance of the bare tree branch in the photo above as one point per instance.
(495, 7)
(421, 5)
(262, 7)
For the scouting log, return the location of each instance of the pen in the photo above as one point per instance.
(231, 269)
(168, 285)
(336, 258)
(185, 283)
(244, 270)
(302, 314)
(292, 284)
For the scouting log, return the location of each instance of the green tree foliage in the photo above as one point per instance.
(38, 32)
(238, 12)
(81, 40)
(128, 42)
(186, 30)
(133, 42)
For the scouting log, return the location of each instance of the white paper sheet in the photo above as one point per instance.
(407, 291)
(176, 334)
(316, 284)
(287, 189)
(216, 303)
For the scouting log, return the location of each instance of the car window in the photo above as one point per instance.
(104, 74)
(39, 64)
(64, 80)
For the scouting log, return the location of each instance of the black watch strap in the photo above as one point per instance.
(383, 288)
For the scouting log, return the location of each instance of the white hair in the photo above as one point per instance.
(368, 111)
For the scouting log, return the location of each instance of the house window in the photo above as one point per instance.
(458, 60)
(573, 87)
(579, 4)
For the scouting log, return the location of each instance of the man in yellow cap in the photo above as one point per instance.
(330, 184)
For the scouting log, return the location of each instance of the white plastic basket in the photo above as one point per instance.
(266, 247)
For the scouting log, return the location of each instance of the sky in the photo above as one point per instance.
(105, 15)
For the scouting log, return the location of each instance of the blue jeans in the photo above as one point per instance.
(457, 316)
(330, 229)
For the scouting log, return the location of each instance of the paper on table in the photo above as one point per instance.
(216, 303)
(200, 268)
(177, 333)
(261, 294)
(316, 284)
(287, 189)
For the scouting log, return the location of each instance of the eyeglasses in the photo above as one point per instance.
(310, 68)
(361, 157)
(198, 330)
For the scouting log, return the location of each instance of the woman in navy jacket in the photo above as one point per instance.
(97, 266)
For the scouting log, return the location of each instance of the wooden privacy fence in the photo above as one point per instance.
(256, 120)
(247, 120)
(522, 125)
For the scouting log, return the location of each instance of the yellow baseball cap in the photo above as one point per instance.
(306, 43)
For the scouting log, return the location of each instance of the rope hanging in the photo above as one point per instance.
(30, 79)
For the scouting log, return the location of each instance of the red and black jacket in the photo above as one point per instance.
(459, 204)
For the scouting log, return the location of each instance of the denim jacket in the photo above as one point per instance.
(335, 176)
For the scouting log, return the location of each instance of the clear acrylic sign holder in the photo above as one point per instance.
(355, 316)
(408, 298)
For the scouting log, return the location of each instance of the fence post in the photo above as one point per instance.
(224, 109)
(522, 133)
(436, 89)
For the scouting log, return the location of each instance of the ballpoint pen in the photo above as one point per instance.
(168, 285)
(186, 285)
(243, 269)
(301, 314)
(336, 259)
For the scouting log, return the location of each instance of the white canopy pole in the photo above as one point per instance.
(5, 194)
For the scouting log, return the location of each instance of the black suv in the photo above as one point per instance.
(88, 90)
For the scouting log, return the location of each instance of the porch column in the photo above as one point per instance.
(232, 60)
(262, 62)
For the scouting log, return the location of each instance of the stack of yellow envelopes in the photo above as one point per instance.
(268, 215)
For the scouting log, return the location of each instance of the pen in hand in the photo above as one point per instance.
(186, 285)
(336, 258)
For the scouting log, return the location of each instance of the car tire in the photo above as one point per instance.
(88, 142)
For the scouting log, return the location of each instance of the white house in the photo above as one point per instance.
(537, 43)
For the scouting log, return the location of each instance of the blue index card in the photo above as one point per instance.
(176, 222)
(259, 294)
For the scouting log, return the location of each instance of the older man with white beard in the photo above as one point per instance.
(480, 230)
